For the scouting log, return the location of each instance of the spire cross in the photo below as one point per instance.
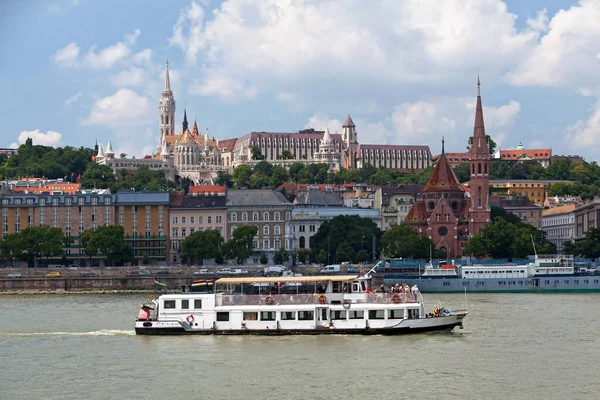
(478, 84)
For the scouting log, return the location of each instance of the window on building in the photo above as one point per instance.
(266, 230)
(219, 219)
(174, 232)
(255, 216)
(175, 220)
(276, 216)
(191, 220)
(265, 216)
(183, 220)
(233, 217)
(277, 230)
(209, 220)
(244, 217)
(266, 244)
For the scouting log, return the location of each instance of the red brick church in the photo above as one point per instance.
(445, 212)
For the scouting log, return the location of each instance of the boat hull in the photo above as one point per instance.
(421, 325)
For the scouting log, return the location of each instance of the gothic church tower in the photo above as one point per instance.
(479, 210)
(350, 143)
(166, 109)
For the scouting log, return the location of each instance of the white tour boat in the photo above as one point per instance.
(341, 304)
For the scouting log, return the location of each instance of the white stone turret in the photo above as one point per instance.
(109, 153)
(327, 152)
(166, 109)
(164, 152)
(100, 154)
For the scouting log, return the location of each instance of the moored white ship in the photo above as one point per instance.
(343, 305)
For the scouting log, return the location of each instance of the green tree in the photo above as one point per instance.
(281, 256)
(355, 230)
(43, 240)
(475, 247)
(361, 256)
(488, 138)
(11, 247)
(97, 176)
(322, 256)
(256, 153)
(241, 176)
(201, 245)
(239, 247)
(462, 171)
(402, 241)
(286, 155)
(89, 243)
(264, 259)
(344, 252)
(224, 179)
(303, 255)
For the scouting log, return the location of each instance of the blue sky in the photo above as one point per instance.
(77, 71)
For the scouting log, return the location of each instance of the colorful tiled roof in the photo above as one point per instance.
(536, 154)
(443, 178)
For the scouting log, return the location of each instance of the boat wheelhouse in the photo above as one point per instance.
(341, 304)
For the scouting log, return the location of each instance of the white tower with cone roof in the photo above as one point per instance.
(166, 110)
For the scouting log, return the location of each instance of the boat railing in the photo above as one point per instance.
(310, 298)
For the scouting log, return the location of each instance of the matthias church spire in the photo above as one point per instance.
(166, 110)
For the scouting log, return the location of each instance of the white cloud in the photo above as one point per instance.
(282, 46)
(131, 77)
(67, 56)
(104, 58)
(319, 121)
(71, 100)
(584, 134)
(567, 53)
(419, 123)
(49, 138)
(540, 22)
(125, 107)
(224, 87)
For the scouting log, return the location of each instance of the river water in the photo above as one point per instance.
(513, 346)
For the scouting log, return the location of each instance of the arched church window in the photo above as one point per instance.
(479, 168)
(479, 196)
(473, 169)
(485, 167)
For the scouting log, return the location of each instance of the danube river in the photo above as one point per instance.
(513, 346)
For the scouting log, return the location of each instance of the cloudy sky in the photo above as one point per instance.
(75, 71)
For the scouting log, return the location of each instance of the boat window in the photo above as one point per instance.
(355, 287)
(357, 314)
(267, 315)
(198, 304)
(306, 315)
(251, 316)
(338, 314)
(376, 314)
(362, 285)
(288, 315)
(169, 304)
(223, 316)
(185, 304)
(396, 314)
(413, 313)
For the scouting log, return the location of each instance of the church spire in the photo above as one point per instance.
(167, 87)
(479, 145)
(443, 145)
(185, 122)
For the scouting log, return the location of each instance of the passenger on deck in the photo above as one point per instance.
(415, 292)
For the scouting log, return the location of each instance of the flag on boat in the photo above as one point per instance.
(156, 282)
(202, 283)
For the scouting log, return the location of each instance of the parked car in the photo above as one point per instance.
(161, 272)
(53, 275)
(225, 271)
(15, 275)
(202, 272)
(274, 270)
(352, 270)
(87, 274)
(132, 273)
(144, 272)
(239, 271)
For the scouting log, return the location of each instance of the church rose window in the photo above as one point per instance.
(442, 231)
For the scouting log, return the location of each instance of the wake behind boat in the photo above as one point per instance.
(338, 305)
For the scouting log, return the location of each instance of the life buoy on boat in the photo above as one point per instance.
(269, 300)
(190, 319)
(396, 298)
(322, 299)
